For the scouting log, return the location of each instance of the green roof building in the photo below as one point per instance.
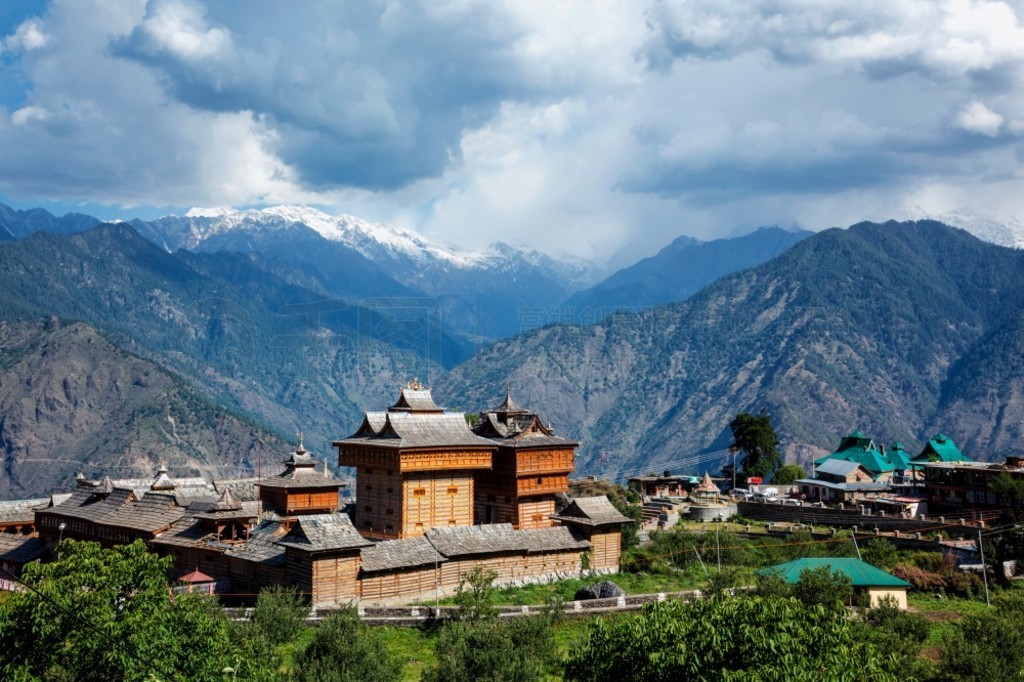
(875, 582)
(941, 448)
(857, 447)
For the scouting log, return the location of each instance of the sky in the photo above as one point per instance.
(573, 127)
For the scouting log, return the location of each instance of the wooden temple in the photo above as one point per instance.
(300, 488)
(530, 467)
(415, 467)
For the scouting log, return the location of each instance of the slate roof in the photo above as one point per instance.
(509, 424)
(420, 430)
(391, 555)
(300, 472)
(553, 539)
(415, 398)
(154, 512)
(458, 541)
(323, 533)
(262, 546)
(204, 510)
(591, 511)
(860, 572)
(21, 511)
(187, 531)
(21, 549)
(92, 505)
(242, 488)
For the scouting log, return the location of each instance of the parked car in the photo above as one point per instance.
(741, 493)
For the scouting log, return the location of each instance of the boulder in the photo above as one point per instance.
(602, 590)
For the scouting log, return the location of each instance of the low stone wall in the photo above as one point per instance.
(416, 616)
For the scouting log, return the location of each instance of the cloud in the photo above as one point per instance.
(28, 36)
(978, 118)
(582, 126)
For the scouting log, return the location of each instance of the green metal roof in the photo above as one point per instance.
(861, 573)
(899, 457)
(941, 448)
(872, 460)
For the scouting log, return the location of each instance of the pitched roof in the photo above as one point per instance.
(553, 539)
(262, 546)
(523, 429)
(300, 472)
(591, 511)
(21, 549)
(706, 485)
(415, 398)
(21, 511)
(941, 448)
(195, 576)
(324, 532)
(838, 467)
(874, 461)
(420, 430)
(394, 554)
(457, 541)
(861, 573)
(154, 512)
(900, 458)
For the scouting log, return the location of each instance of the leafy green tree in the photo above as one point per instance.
(106, 614)
(823, 586)
(772, 585)
(754, 436)
(984, 647)
(880, 553)
(474, 596)
(280, 613)
(787, 473)
(515, 650)
(728, 638)
(345, 650)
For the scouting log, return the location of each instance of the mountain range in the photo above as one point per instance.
(898, 329)
(287, 320)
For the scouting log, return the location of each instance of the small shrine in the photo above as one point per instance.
(706, 492)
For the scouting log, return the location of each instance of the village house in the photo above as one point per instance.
(875, 583)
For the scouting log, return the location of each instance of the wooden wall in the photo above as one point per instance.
(312, 501)
(435, 499)
(606, 548)
(390, 584)
(378, 502)
(334, 579)
(535, 512)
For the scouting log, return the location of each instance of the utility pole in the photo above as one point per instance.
(984, 567)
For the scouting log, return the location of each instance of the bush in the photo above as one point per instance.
(880, 553)
(280, 614)
(823, 586)
(345, 650)
(516, 650)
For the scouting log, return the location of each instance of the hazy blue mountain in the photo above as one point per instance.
(251, 342)
(897, 329)
(683, 268)
(23, 223)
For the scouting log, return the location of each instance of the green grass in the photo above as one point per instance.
(942, 613)
(415, 647)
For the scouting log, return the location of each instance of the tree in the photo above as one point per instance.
(516, 650)
(728, 638)
(754, 436)
(107, 614)
(787, 473)
(880, 553)
(983, 647)
(280, 613)
(473, 596)
(823, 586)
(345, 650)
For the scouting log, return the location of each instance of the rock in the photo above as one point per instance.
(602, 590)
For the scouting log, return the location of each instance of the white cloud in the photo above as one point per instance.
(28, 36)
(578, 126)
(978, 118)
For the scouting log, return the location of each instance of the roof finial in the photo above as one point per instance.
(302, 448)
(508, 392)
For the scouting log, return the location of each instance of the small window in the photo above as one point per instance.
(419, 492)
(453, 490)
(452, 522)
(389, 512)
(369, 487)
(419, 524)
(367, 508)
(390, 490)
(369, 471)
(540, 481)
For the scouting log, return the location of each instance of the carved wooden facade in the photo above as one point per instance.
(415, 468)
(531, 467)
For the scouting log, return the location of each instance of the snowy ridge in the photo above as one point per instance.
(1000, 230)
(372, 240)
